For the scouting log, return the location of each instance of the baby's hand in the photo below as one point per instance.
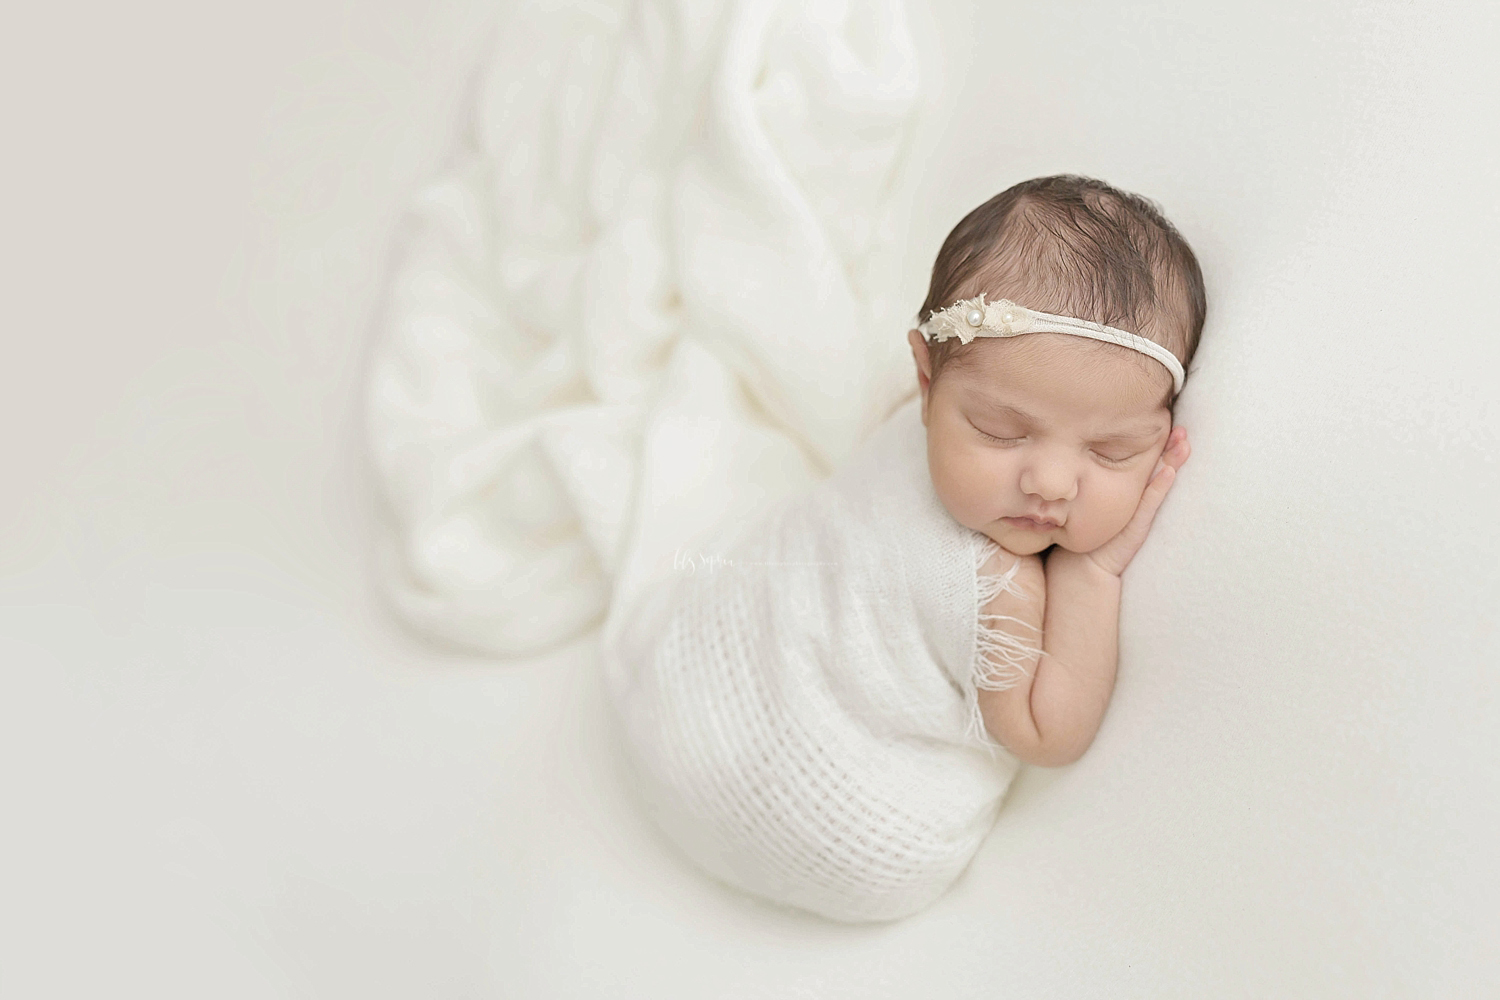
(1114, 555)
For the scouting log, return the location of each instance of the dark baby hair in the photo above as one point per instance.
(1077, 247)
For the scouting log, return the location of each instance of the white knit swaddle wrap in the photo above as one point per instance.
(803, 719)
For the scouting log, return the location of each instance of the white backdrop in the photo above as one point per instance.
(228, 773)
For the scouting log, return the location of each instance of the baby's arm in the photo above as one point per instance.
(1050, 717)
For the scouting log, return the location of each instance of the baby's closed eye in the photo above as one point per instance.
(1117, 456)
(1001, 440)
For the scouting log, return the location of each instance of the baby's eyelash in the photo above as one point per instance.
(1116, 462)
(1113, 463)
(998, 440)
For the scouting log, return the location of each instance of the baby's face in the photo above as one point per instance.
(1044, 439)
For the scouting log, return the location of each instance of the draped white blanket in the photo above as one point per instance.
(650, 301)
(650, 296)
(802, 707)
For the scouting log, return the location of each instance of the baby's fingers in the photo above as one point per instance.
(1114, 555)
(1176, 453)
(1151, 500)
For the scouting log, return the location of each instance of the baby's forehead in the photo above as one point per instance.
(1101, 424)
(1083, 382)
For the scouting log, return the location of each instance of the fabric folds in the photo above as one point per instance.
(650, 295)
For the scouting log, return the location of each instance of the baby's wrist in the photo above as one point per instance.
(1080, 564)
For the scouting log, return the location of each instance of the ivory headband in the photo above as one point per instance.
(970, 318)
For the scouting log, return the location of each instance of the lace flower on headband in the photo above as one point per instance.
(970, 318)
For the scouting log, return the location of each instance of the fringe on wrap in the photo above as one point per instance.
(1000, 658)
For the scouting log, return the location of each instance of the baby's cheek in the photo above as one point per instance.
(966, 500)
(1122, 508)
(1104, 519)
(964, 487)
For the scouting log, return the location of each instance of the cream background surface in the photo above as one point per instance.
(228, 772)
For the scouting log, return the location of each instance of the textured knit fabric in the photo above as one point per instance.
(801, 709)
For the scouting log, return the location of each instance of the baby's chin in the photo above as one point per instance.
(1030, 543)
(1021, 543)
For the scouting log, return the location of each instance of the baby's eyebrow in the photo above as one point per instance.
(994, 406)
(1129, 434)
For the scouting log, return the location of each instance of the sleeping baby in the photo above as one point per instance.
(830, 720)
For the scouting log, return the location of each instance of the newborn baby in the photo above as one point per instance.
(830, 720)
(1055, 445)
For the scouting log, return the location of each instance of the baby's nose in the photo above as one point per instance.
(1049, 481)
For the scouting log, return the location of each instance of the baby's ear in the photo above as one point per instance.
(923, 357)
